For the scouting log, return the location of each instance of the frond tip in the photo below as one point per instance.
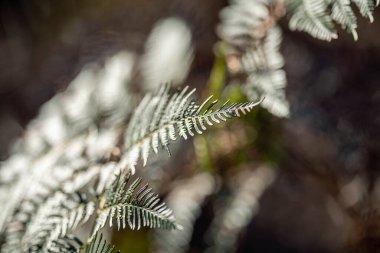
(137, 208)
(162, 118)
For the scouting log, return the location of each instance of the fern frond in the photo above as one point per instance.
(265, 75)
(343, 14)
(169, 44)
(239, 207)
(137, 208)
(59, 215)
(317, 16)
(249, 28)
(366, 7)
(244, 22)
(100, 245)
(76, 216)
(71, 244)
(310, 16)
(66, 244)
(76, 127)
(186, 199)
(162, 118)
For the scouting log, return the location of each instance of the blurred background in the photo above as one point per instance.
(306, 183)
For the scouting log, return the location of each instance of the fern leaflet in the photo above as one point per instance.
(161, 118)
(135, 208)
(99, 245)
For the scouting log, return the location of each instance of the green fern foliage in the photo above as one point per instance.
(162, 118)
(137, 208)
(318, 17)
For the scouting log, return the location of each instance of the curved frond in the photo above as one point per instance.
(317, 16)
(186, 199)
(310, 16)
(133, 207)
(163, 118)
(240, 206)
(366, 7)
(343, 14)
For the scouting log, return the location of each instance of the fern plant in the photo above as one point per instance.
(168, 117)
(72, 170)
(135, 208)
(75, 193)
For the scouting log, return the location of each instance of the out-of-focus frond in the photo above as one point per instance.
(317, 16)
(244, 23)
(310, 16)
(137, 208)
(168, 54)
(162, 118)
(74, 129)
(186, 200)
(66, 244)
(366, 7)
(41, 222)
(240, 208)
(265, 75)
(254, 50)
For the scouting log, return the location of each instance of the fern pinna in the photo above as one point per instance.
(162, 118)
(71, 195)
(135, 208)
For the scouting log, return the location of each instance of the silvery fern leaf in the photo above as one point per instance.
(266, 77)
(186, 200)
(75, 127)
(163, 118)
(343, 14)
(244, 22)
(239, 208)
(366, 7)
(133, 207)
(42, 221)
(66, 244)
(58, 223)
(249, 29)
(317, 16)
(99, 245)
(169, 44)
(310, 16)
(71, 244)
